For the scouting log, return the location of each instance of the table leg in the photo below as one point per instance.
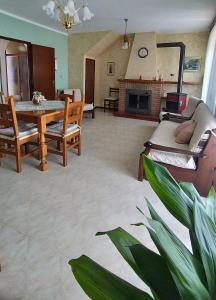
(42, 144)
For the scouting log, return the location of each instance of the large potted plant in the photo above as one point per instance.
(176, 273)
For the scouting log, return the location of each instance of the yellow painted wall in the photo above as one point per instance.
(145, 67)
(102, 81)
(105, 47)
(78, 45)
(168, 59)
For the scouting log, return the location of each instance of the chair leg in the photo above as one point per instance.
(27, 148)
(93, 114)
(64, 153)
(59, 145)
(18, 158)
(141, 168)
(79, 146)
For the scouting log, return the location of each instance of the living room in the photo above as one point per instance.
(143, 73)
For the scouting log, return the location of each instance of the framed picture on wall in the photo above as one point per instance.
(192, 64)
(110, 68)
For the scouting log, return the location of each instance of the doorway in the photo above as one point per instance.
(14, 69)
(17, 70)
(89, 80)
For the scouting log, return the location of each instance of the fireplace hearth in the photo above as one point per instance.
(138, 101)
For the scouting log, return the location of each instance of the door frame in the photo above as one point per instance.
(29, 52)
(84, 73)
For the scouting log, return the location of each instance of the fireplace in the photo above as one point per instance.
(138, 101)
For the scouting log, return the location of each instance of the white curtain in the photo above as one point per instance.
(209, 81)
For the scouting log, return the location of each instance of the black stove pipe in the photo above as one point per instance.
(181, 60)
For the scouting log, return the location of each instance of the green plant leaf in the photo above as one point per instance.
(169, 192)
(191, 191)
(155, 273)
(100, 284)
(184, 267)
(206, 236)
(151, 268)
(211, 204)
(195, 245)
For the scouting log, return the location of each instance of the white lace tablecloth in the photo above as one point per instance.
(46, 105)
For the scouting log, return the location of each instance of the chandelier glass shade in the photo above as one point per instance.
(66, 12)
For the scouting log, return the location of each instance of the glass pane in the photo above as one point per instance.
(13, 76)
(133, 101)
(24, 77)
(144, 102)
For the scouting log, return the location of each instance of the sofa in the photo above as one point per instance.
(186, 114)
(193, 162)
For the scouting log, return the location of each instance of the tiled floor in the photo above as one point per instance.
(47, 218)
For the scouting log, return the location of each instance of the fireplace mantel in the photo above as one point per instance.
(141, 81)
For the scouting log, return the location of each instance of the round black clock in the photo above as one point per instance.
(143, 52)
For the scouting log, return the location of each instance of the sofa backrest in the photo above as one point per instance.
(205, 122)
(77, 94)
(193, 102)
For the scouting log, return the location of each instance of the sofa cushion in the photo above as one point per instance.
(171, 158)
(182, 126)
(205, 122)
(184, 136)
(164, 135)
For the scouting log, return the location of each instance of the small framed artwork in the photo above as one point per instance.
(192, 64)
(110, 68)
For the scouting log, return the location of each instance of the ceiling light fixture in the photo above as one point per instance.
(126, 43)
(65, 12)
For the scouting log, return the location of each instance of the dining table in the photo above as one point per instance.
(41, 115)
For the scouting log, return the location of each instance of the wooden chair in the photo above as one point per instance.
(67, 132)
(2, 98)
(76, 96)
(111, 102)
(13, 134)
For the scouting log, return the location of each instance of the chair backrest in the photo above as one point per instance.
(193, 102)
(113, 91)
(76, 93)
(8, 116)
(2, 98)
(73, 113)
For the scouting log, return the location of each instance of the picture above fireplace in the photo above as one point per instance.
(138, 101)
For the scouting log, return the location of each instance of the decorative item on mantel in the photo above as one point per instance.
(38, 98)
(65, 12)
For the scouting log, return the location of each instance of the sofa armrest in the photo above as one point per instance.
(174, 118)
(174, 150)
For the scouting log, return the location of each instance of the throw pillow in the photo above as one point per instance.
(185, 135)
(182, 126)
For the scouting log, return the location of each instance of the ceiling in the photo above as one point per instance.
(165, 16)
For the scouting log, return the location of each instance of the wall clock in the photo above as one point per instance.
(143, 52)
